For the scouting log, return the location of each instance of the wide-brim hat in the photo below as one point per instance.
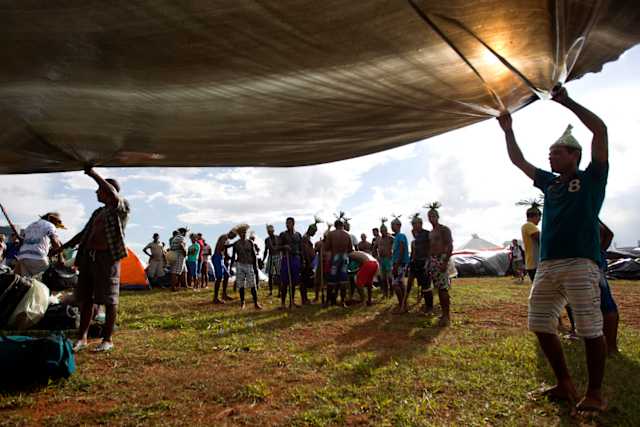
(54, 218)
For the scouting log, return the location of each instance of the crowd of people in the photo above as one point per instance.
(334, 268)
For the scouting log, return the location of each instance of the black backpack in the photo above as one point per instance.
(60, 277)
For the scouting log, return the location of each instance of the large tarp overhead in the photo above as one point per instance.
(278, 83)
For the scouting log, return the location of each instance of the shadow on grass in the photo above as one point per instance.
(621, 385)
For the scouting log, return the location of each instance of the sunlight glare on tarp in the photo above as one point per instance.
(287, 83)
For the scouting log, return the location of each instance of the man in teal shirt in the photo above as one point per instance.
(569, 249)
(400, 260)
(193, 253)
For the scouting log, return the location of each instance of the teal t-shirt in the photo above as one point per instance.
(193, 252)
(570, 227)
(400, 239)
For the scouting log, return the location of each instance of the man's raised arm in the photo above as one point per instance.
(600, 141)
(515, 154)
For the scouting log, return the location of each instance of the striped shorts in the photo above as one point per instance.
(572, 280)
(245, 276)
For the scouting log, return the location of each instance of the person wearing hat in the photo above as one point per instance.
(420, 252)
(100, 248)
(441, 247)
(39, 239)
(384, 247)
(569, 249)
(531, 239)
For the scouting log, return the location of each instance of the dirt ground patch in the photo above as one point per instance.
(186, 362)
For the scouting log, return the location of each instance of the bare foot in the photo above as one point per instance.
(444, 322)
(242, 305)
(217, 301)
(258, 307)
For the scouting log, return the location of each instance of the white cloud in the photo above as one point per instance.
(26, 197)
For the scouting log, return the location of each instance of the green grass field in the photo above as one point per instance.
(179, 360)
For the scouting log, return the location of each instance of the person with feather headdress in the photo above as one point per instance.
(272, 255)
(290, 246)
(441, 244)
(569, 248)
(308, 254)
(338, 245)
(244, 257)
(420, 252)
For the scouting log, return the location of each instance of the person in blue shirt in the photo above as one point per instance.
(400, 260)
(569, 249)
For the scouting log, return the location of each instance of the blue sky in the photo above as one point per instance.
(466, 170)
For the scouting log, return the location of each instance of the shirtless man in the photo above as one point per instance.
(222, 274)
(337, 246)
(363, 244)
(308, 253)
(290, 246)
(385, 246)
(441, 244)
(420, 252)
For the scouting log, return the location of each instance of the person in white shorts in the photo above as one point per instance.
(569, 249)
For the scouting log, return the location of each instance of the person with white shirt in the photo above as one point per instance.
(39, 238)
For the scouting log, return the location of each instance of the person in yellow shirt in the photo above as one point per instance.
(531, 239)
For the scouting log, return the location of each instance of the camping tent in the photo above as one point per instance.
(479, 257)
(132, 274)
(278, 83)
(476, 243)
(481, 263)
(624, 268)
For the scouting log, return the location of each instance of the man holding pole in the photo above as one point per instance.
(290, 245)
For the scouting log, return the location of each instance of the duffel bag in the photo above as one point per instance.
(60, 317)
(13, 289)
(31, 309)
(26, 359)
(60, 277)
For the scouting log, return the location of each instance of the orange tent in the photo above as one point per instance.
(132, 274)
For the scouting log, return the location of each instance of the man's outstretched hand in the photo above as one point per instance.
(560, 94)
(505, 122)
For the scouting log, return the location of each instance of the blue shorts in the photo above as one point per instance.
(607, 303)
(218, 266)
(339, 269)
(292, 271)
(192, 268)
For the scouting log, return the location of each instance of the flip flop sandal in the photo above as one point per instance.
(592, 407)
(79, 346)
(550, 392)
